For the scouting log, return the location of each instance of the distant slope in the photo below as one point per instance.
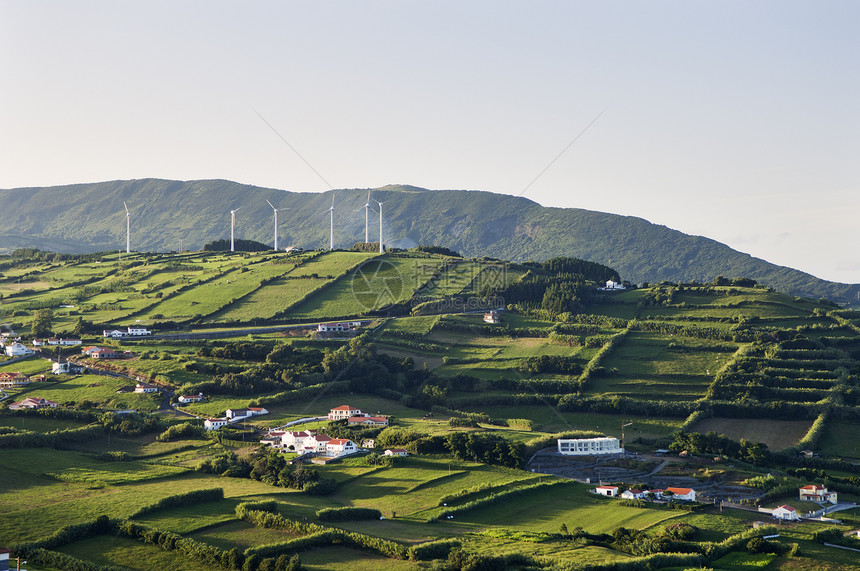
(90, 217)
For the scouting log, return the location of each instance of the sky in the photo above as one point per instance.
(739, 121)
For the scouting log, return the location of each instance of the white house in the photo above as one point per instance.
(333, 328)
(185, 399)
(113, 333)
(135, 330)
(612, 285)
(66, 367)
(33, 402)
(401, 452)
(816, 493)
(17, 350)
(632, 494)
(609, 491)
(367, 421)
(239, 414)
(343, 412)
(340, 447)
(589, 446)
(273, 438)
(304, 442)
(492, 317)
(69, 342)
(787, 513)
(680, 494)
(214, 423)
(145, 388)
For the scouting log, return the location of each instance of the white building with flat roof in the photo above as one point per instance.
(589, 446)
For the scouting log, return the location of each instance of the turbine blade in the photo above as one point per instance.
(270, 204)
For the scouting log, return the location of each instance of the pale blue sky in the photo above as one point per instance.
(734, 120)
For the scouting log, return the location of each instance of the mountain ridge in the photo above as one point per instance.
(91, 217)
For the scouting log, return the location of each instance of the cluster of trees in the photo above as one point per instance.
(551, 364)
(754, 453)
(486, 447)
(267, 465)
(240, 246)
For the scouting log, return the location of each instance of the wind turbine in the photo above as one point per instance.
(127, 229)
(232, 227)
(276, 222)
(380, 224)
(366, 218)
(331, 212)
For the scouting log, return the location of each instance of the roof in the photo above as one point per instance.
(813, 487)
(397, 450)
(635, 491)
(321, 437)
(339, 441)
(786, 508)
(255, 408)
(366, 418)
(216, 420)
(606, 488)
(344, 407)
(679, 491)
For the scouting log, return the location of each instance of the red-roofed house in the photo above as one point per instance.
(785, 513)
(402, 452)
(102, 353)
(681, 493)
(610, 491)
(339, 447)
(816, 493)
(145, 388)
(33, 402)
(11, 380)
(367, 421)
(185, 399)
(343, 412)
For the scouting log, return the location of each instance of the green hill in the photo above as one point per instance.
(90, 217)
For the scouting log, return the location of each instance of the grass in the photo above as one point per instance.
(239, 534)
(37, 424)
(374, 284)
(95, 388)
(130, 554)
(777, 434)
(30, 366)
(545, 510)
(337, 558)
(840, 439)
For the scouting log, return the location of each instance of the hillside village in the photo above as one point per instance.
(542, 415)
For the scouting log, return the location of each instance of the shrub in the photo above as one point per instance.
(347, 513)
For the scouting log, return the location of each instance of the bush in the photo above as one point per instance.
(348, 514)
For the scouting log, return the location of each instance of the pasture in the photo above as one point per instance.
(777, 434)
(97, 389)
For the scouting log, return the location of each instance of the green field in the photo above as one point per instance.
(97, 389)
(374, 284)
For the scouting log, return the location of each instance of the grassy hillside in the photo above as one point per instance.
(90, 217)
(478, 405)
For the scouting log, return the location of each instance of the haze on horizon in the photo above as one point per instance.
(732, 120)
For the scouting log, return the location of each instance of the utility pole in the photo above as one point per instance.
(623, 426)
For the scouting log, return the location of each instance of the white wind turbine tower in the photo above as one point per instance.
(232, 228)
(331, 212)
(366, 219)
(127, 229)
(276, 222)
(380, 224)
